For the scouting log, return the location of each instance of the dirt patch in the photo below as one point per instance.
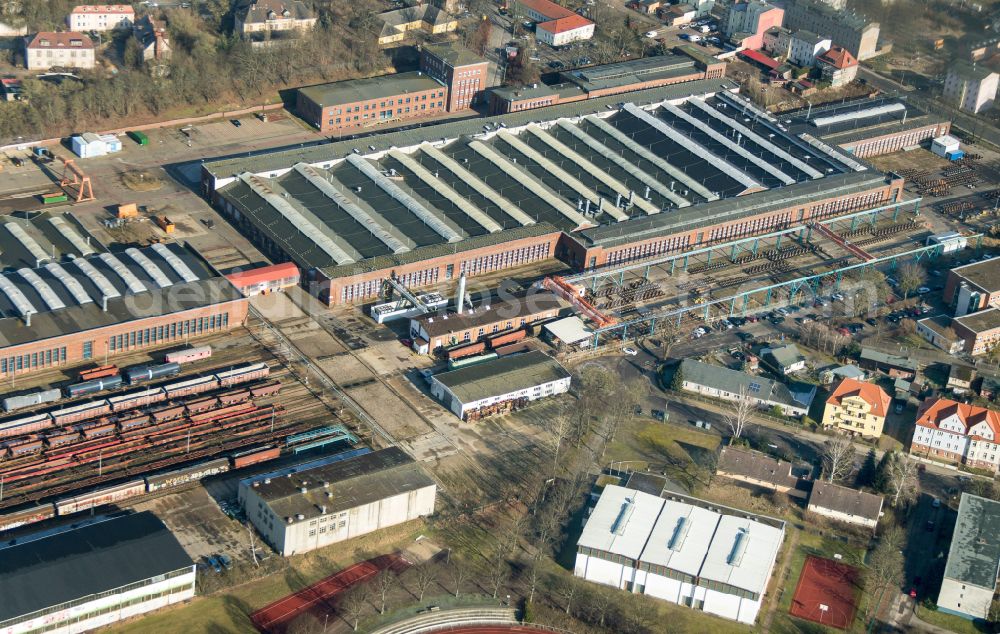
(142, 181)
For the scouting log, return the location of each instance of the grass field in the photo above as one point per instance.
(649, 442)
(948, 621)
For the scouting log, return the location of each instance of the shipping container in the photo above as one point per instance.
(24, 425)
(243, 374)
(51, 199)
(189, 355)
(191, 386)
(464, 351)
(136, 399)
(100, 497)
(184, 475)
(254, 456)
(91, 387)
(14, 403)
(138, 137)
(99, 372)
(83, 411)
(22, 517)
(149, 372)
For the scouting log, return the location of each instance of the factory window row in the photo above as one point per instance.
(390, 102)
(506, 259)
(648, 249)
(42, 359)
(750, 227)
(843, 205)
(158, 334)
(663, 571)
(94, 597)
(606, 556)
(894, 142)
(384, 114)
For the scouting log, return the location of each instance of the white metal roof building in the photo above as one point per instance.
(680, 549)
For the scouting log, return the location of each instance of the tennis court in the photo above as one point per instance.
(826, 593)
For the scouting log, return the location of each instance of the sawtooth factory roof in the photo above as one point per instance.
(608, 169)
(60, 281)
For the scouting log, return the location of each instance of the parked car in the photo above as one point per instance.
(214, 563)
(226, 562)
(630, 351)
(650, 34)
(555, 64)
(922, 290)
(898, 408)
(236, 122)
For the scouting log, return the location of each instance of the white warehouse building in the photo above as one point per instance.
(88, 577)
(499, 384)
(680, 549)
(317, 504)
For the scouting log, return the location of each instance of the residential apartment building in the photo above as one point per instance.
(366, 103)
(894, 365)
(805, 46)
(853, 31)
(100, 17)
(970, 86)
(980, 331)
(46, 50)
(752, 467)
(153, 38)
(464, 73)
(844, 504)
(973, 287)
(500, 385)
(680, 549)
(776, 41)
(970, 574)
(747, 21)
(555, 25)
(837, 66)
(858, 408)
(433, 331)
(396, 25)
(310, 505)
(957, 433)
(269, 16)
(937, 331)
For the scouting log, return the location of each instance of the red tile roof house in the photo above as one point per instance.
(949, 431)
(557, 26)
(838, 66)
(70, 50)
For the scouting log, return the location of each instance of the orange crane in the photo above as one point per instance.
(79, 181)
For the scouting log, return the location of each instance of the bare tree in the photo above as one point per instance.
(498, 573)
(460, 573)
(566, 590)
(903, 483)
(385, 581)
(423, 577)
(532, 576)
(353, 603)
(599, 603)
(911, 277)
(885, 568)
(838, 459)
(738, 415)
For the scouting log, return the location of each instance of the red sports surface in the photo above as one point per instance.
(276, 616)
(830, 584)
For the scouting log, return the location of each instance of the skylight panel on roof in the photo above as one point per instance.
(133, 282)
(44, 290)
(103, 284)
(866, 113)
(628, 507)
(175, 263)
(70, 282)
(739, 548)
(149, 267)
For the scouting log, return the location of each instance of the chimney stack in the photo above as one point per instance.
(460, 300)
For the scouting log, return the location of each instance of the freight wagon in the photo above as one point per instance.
(21, 517)
(99, 372)
(150, 372)
(254, 456)
(100, 497)
(461, 362)
(91, 387)
(25, 425)
(191, 386)
(189, 355)
(243, 374)
(136, 399)
(191, 473)
(83, 411)
(505, 338)
(464, 351)
(14, 403)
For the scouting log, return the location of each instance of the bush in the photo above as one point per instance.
(929, 604)
(529, 613)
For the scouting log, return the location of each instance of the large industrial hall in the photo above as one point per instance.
(66, 299)
(592, 184)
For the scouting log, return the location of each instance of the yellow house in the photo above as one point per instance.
(858, 408)
(425, 17)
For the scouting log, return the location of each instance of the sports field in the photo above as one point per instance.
(826, 593)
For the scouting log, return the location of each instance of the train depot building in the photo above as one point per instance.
(89, 576)
(67, 300)
(594, 184)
